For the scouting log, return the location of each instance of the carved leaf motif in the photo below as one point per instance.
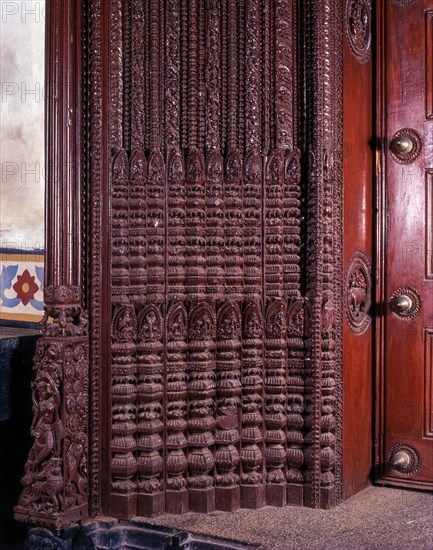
(138, 168)
(120, 169)
(155, 168)
(292, 167)
(176, 168)
(274, 167)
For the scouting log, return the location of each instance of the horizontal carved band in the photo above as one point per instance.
(62, 295)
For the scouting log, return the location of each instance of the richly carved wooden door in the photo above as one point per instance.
(406, 127)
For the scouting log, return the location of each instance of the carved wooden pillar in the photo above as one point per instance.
(55, 480)
(324, 252)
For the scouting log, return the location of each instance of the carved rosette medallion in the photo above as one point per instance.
(358, 28)
(407, 467)
(416, 302)
(358, 293)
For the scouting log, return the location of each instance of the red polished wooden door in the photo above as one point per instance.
(406, 449)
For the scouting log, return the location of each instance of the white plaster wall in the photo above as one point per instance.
(22, 29)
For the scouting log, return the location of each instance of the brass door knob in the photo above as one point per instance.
(405, 145)
(401, 460)
(402, 304)
(402, 145)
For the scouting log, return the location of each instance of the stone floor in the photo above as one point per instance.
(376, 518)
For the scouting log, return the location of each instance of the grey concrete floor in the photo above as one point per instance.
(377, 518)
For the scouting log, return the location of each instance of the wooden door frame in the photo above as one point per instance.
(380, 237)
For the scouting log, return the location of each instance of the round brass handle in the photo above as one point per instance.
(401, 460)
(402, 145)
(402, 304)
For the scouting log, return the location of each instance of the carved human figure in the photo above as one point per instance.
(47, 427)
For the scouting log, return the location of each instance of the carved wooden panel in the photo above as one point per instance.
(428, 381)
(205, 248)
(207, 377)
(211, 197)
(429, 225)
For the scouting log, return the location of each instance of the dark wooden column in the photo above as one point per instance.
(55, 481)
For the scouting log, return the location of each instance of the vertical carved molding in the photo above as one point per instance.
(137, 70)
(201, 406)
(252, 366)
(99, 312)
(276, 337)
(233, 226)
(314, 295)
(176, 493)
(177, 404)
(55, 484)
(137, 227)
(150, 410)
(229, 389)
(324, 284)
(284, 78)
(295, 326)
(252, 449)
(123, 501)
(195, 226)
(215, 249)
(150, 348)
(120, 227)
(123, 464)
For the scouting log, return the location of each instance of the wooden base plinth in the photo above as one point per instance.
(326, 498)
(123, 506)
(252, 496)
(202, 500)
(295, 495)
(276, 494)
(150, 505)
(176, 502)
(227, 498)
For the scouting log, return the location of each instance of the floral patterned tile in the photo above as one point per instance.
(21, 287)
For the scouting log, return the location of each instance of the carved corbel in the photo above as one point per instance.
(55, 480)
